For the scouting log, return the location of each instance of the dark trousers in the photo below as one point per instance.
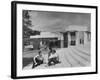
(38, 63)
(53, 61)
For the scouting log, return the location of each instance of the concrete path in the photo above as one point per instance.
(73, 56)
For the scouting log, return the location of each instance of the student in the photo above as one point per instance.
(38, 60)
(53, 58)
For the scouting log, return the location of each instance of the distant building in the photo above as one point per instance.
(52, 39)
(78, 35)
(73, 35)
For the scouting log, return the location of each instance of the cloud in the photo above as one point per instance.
(58, 21)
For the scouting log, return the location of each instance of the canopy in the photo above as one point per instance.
(46, 35)
(77, 28)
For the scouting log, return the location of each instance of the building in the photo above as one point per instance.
(52, 39)
(78, 35)
(73, 35)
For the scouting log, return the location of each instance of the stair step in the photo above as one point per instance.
(81, 54)
(70, 59)
(79, 59)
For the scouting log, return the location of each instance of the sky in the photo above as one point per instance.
(58, 21)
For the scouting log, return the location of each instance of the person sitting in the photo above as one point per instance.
(38, 60)
(53, 58)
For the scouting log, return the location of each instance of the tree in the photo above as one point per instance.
(26, 24)
(27, 32)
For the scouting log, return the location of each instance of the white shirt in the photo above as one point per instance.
(53, 55)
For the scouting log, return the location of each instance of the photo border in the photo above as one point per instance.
(14, 38)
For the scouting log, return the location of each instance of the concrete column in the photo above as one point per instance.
(77, 38)
(85, 37)
(62, 41)
(89, 36)
(69, 39)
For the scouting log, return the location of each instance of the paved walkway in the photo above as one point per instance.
(73, 56)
